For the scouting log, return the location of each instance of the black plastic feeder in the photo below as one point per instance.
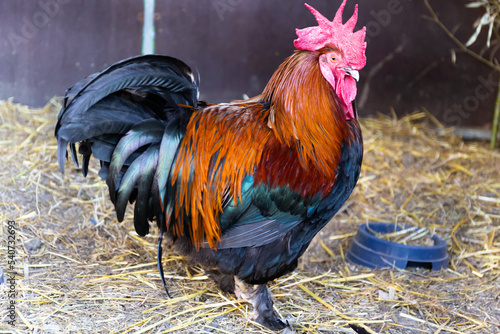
(369, 251)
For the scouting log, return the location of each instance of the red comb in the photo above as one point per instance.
(337, 34)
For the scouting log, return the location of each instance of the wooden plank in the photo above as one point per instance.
(236, 45)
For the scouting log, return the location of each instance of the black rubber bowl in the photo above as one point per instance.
(369, 251)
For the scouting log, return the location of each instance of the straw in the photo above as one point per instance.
(95, 275)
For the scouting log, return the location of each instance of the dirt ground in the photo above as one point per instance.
(80, 271)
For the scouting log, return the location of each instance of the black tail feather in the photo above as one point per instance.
(62, 153)
(129, 116)
(161, 223)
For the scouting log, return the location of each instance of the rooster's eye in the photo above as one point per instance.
(333, 58)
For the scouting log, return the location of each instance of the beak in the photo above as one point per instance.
(352, 73)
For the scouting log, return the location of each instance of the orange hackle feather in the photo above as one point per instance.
(222, 145)
(305, 113)
(290, 135)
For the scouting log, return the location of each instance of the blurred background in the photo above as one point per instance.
(235, 45)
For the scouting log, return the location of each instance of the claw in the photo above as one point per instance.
(260, 298)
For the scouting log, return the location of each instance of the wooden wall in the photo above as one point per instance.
(47, 45)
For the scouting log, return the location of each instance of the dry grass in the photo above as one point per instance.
(92, 274)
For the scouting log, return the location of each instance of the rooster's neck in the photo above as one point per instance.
(304, 112)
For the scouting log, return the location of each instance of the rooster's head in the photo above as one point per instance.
(342, 52)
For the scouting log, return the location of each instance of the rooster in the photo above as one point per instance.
(241, 188)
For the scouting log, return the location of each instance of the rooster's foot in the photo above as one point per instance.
(258, 295)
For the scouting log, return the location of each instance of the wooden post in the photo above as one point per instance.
(496, 119)
(148, 30)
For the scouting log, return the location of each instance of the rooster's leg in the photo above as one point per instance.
(225, 282)
(258, 295)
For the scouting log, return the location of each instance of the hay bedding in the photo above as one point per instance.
(83, 272)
